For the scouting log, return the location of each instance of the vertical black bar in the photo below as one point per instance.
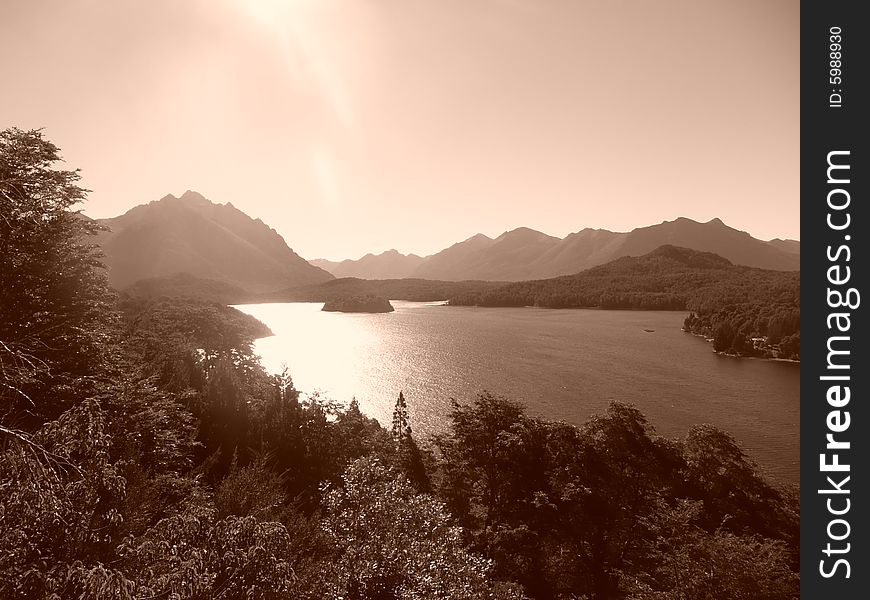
(834, 225)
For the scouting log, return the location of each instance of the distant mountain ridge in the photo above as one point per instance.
(211, 241)
(221, 244)
(790, 246)
(523, 253)
(666, 278)
(386, 265)
(746, 311)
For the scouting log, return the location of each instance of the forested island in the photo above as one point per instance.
(145, 453)
(359, 304)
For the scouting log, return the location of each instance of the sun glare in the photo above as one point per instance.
(307, 35)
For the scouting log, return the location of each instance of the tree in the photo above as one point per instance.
(690, 563)
(254, 490)
(612, 477)
(493, 462)
(58, 498)
(410, 458)
(400, 419)
(225, 426)
(54, 298)
(736, 496)
(791, 346)
(356, 435)
(723, 337)
(393, 543)
(190, 555)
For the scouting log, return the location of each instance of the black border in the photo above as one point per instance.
(825, 129)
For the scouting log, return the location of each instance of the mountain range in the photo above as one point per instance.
(386, 265)
(209, 241)
(523, 253)
(667, 278)
(221, 245)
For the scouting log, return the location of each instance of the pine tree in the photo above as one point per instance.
(410, 458)
(353, 409)
(401, 428)
(225, 421)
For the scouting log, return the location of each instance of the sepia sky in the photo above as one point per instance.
(355, 126)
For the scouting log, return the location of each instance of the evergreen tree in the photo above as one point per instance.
(410, 458)
(401, 427)
(225, 419)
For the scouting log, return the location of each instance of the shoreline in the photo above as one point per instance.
(744, 356)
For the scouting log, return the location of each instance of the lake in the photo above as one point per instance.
(562, 364)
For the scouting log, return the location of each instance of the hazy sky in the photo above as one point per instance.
(353, 126)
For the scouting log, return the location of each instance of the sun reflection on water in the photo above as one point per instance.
(563, 364)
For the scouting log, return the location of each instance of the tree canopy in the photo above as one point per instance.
(53, 294)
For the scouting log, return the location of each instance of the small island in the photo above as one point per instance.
(368, 303)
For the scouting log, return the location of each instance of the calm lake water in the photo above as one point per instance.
(563, 364)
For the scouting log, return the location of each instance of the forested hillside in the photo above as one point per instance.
(747, 311)
(145, 453)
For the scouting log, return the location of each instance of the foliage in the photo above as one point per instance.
(735, 495)
(409, 457)
(400, 426)
(192, 556)
(177, 339)
(692, 563)
(572, 511)
(53, 295)
(185, 285)
(489, 462)
(392, 542)
(254, 490)
(58, 497)
(759, 327)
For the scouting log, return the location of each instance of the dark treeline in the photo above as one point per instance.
(145, 453)
(758, 315)
(747, 311)
(413, 290)
(368, 303)
(185, 285)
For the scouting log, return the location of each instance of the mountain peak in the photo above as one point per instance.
(207, 240)
(194, 197)
(688, 221)
(189, 197)
(524, 232)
